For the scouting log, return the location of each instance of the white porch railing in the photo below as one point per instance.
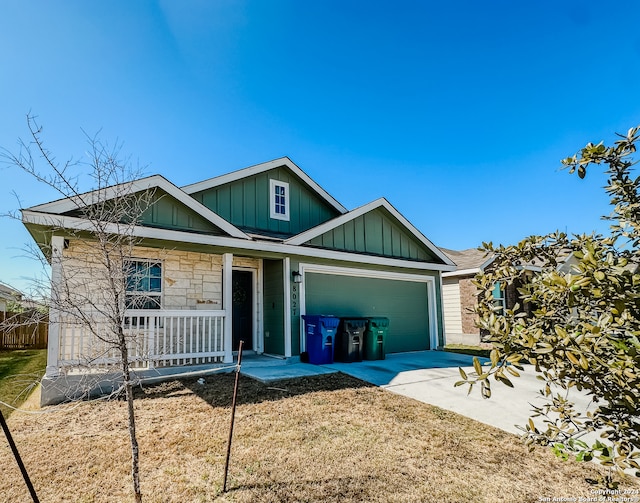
(155, 338)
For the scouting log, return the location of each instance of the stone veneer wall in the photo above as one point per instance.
(191, 280)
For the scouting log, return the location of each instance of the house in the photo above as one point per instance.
(243, 256)
(8, 295)
(460, 295)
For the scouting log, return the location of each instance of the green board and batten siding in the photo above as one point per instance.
(166, 212)
(245, 203)
(375, 233)
(169, 213)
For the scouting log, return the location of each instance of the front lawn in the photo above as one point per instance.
(20, 371)
(326, 438)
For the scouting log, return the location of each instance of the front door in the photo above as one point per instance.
(242, 295)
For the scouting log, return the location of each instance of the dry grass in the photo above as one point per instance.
(328, 438)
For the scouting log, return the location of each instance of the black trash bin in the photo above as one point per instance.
(349, 345)
(374, 338)
(320, 334)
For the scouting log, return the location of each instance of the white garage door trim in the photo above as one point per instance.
(363, 273)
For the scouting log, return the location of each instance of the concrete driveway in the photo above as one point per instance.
(429, 376)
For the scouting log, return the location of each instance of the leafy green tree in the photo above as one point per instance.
(581, 325)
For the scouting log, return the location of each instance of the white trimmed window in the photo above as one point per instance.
(279, 199)
(144, 284)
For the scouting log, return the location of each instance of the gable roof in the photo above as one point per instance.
(310, 234)
(63, 214)
(9, 293)
(62, 206)
(470, 261)
(473, 261)
(260, 168)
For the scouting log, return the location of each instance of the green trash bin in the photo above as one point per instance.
(374, 338)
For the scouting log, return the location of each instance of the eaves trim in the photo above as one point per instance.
(461, 272)
(79, 224)
(151, 182)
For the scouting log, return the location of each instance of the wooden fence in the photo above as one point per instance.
(23, 331)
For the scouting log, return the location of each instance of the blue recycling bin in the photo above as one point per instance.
(320, 332)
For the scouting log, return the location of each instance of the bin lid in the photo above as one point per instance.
(379, 321)
(355, 322)
(328, 321)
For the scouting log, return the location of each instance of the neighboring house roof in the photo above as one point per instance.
(469, 262)
(9, 293)
(473, 261)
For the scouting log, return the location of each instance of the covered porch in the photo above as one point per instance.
(189, 335)
(155, 338)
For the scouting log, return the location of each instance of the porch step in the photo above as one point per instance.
(256, 361)
(272, 373)
(268, 369)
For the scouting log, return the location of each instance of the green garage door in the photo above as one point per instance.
(403, 302)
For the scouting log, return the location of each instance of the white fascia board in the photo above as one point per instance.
(471, 270)
(568, 263)
(487, 263)
(532, 268)
(260, 168)
(6, 289)
(439, 253)
(74, 223)
(152, 182)
(202, 210)
(94, 196)
(462, 272)
(342, 219)
(476, 270)
(356, 272)
(318, 230)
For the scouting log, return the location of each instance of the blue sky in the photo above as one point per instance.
(457, 112)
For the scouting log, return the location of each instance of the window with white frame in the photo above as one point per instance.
(279, 199)
(143, 284)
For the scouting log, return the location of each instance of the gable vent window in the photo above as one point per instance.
(279, 200)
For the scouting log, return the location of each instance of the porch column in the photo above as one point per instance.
(434, 336)
(227, 305)
(287, 306)
(53, 344)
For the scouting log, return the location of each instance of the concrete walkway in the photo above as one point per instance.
(429, 376)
